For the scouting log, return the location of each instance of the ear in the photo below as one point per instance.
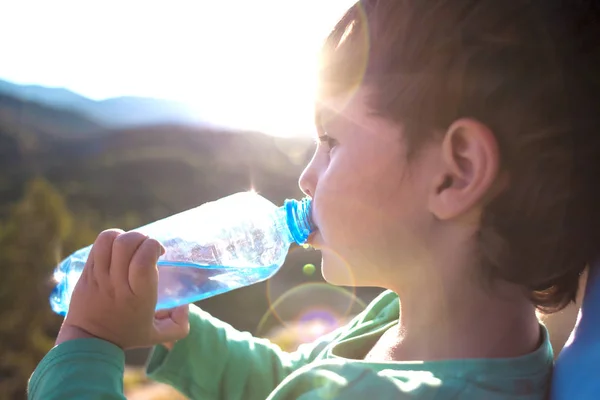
(469, 167)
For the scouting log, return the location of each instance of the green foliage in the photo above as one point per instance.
(32, 239)
(61, 184)
(59, 188)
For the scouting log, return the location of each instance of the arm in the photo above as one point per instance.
(217, 361)
(83, 369)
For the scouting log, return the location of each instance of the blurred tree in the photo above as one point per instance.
(35, 236)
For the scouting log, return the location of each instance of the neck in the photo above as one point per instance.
(442, 317)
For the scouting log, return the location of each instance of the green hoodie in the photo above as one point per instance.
(216, 361)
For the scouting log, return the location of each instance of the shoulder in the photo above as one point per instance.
(336, 380)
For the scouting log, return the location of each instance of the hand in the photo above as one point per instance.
(115, 297)
(165, 314)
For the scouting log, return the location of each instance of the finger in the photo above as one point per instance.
(171, 329)
(123, 249)
(166, 312)
(181, 314)
(162, 314)
(143, 273)
(169, 345)
(100, 257)
(88, 269)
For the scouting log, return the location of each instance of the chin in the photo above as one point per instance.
(337, 272)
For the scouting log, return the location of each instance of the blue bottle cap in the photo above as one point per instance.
(298, 218)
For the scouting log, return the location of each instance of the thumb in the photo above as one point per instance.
(175, 327)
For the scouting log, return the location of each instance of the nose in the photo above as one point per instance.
(308, 178)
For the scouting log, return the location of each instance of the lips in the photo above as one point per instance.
(314, 239)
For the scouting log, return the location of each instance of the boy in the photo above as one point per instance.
(457, 168)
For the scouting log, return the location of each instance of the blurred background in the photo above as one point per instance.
(119, 113)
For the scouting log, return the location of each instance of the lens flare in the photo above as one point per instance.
(343, 64)
(309, 269)
(309, 311)
(277, 287)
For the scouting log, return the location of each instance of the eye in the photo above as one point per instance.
(328, 141)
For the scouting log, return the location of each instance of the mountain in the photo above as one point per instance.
(162, 166)
(130, 176)
(126, 175)
(115, 112)
(154, 169)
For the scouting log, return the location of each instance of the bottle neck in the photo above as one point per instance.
(296, 218)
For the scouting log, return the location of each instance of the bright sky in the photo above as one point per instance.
(244, 63)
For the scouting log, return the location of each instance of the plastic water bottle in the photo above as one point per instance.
(217, 247)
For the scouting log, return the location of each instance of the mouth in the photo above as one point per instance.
(313, 239)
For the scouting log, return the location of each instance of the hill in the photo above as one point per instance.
(155, 169)
(116, 112)
(129, 176)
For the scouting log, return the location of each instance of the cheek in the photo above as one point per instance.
(367, 209)
(338, 194)
(354, 203)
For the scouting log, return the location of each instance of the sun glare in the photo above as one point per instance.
(266, 74)
(269, 94)
(245, 64)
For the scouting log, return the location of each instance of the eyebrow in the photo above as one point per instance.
(325, 116)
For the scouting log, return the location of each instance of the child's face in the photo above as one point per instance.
(370, 204)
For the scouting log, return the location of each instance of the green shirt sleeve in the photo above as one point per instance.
(83, 369)
(216, 361)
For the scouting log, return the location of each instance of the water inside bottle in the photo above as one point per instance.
(183, 283)
(178, 283)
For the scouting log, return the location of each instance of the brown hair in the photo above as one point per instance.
(529, 70)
